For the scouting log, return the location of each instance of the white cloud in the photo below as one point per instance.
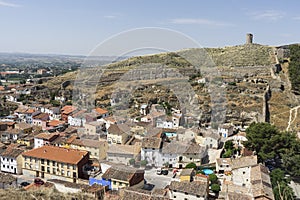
(5, 4)
(296, 18)
(110, 16)
(271, 15)
(199, 21)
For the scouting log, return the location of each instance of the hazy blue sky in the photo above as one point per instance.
(77, 26)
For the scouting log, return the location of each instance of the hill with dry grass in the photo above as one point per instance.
(246, 71)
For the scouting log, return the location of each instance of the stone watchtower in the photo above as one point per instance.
(249, 38)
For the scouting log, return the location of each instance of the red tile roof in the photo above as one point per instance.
(59, 154)
(101, 111)
(55, 123)
(68, 109)
(47, 136)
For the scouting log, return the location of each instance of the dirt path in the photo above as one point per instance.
(291, 119)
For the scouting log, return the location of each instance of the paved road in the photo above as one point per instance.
(160, 181)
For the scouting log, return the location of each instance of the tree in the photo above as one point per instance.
(277, 176)
(191, 166)
(144, 162)
(228, 153)
(132, 161)
(294, 67)
(228, 145)
(259, 136)
(215, 188)
(283, 192)
(213, 178)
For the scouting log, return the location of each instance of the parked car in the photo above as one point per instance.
(24, 184)
(159, 171)
(165, 171)
(38, 181)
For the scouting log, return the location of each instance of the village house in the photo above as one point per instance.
(177, 118)
(20, 113)
(95, 128)
(261, 187)
(55, 125)
(21, 129)
(196, 190)
(151, 150)
(11, 159)
(258, 187)
(119, 153)
(186, 135)
(50, 162)
(118, 134)
(27, 140)
(225, 130)
(7, 125)
(144, 110)
(209, 138)
(54, 112)
(66, 111)
(29, 114)
(24, 127)
(40, 120)
(238, 168)
(77, 118)
(187, 175)
(178, 154)
(101, 113)
(96, 148)
(44, 139)
(121, 177)
(10, 135)
(239, 139)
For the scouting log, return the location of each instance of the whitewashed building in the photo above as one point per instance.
(11, 160)
(151, 150)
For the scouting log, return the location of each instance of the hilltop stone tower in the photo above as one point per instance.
(249, 38)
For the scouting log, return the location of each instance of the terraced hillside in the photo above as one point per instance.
(246, 73)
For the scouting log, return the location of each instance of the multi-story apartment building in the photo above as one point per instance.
(51, 162)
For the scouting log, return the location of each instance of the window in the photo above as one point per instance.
(48, 162)
(244, 172)
(62, 165)
(120, 184)
(62, 172)
(11, 160)
(54, 171)
(174, 197)
(42, 161)
(48, 169)
(68, 166)
(68, 173)
(74, 167)
(114, 182)
(53, 163)
(11, 167)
